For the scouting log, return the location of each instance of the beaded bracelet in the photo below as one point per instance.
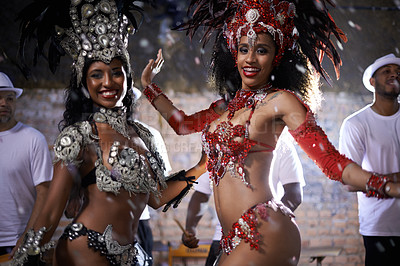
(376, 186)
(30, 246)
(152, 91)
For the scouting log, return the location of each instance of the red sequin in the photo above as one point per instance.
(224, 152)
(244, 229)
(313, 140)
(376, 186)
(274, 17)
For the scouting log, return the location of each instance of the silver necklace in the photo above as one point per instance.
(116, 119)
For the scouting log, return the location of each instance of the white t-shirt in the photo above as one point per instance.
(373, 141)
(286, 169)
(285, 166)
(25, 162)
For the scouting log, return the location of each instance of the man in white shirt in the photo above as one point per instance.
(286, 178)
(371, 138)
(25, 170)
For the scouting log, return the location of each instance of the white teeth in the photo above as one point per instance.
(250, 69)
(109, 93)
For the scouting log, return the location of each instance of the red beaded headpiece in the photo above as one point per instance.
(270, 16)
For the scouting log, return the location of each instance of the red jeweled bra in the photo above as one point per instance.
(224, 152)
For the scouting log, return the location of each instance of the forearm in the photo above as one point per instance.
(41, 195)
(181, 123)
(293, 195)
(338, 167)
(176, 187)
(56, 200)
(196, 209)
(160, 101)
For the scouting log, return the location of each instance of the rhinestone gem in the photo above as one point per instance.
(105, 7)
(75, 2)
(65, 141)
(87, 11)
(101, 29)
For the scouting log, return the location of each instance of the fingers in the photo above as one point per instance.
(190, 240)
(152, 69)
(393, 189)
(157, 65)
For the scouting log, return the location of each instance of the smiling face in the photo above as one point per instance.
(106, 83)
(386, 81)
(255, 63)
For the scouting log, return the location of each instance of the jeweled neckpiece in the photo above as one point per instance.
(116, 118)
(247, 98)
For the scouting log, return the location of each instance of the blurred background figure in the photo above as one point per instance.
(371, 138)
(25, 170)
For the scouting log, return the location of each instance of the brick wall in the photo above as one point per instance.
(327, 216)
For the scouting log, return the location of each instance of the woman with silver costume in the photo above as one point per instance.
(107, 167)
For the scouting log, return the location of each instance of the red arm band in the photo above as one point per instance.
(375, 186)
(152, 91)
(185, 124)
(313, 140)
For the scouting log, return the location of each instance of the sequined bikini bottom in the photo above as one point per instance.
(114, 252)
(246, 227)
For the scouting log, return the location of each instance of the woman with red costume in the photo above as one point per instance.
(274, 45)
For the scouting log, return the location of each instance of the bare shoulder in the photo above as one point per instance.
(289, 106)
(285, 101)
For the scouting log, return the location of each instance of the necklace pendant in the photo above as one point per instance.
(250, 102)
(116, 119)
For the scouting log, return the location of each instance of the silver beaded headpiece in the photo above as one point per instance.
(98, 32)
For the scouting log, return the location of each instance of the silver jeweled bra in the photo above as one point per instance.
(129, 168)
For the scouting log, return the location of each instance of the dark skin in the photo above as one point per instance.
(278, 109)
(106, 84)
(198, 203)
(386, 81)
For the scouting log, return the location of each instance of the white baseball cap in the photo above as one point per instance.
(6, 85)
(380, 62)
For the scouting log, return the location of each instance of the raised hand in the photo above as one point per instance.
(152, 69)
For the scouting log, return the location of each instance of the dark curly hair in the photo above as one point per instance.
(78, 107)
(293, 73)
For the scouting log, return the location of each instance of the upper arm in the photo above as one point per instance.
(290, 108)
(42, 188)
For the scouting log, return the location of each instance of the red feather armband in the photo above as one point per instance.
(186, 124)
(313, 140)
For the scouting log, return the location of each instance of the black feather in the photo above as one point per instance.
(314, 23)
(38, 22)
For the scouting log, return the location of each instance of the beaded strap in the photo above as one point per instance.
(376, 186)
(152, 91)
(179, 176)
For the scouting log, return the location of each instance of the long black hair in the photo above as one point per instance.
(78, 107)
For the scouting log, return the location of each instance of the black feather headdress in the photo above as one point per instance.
(95, 29)
(312, 26)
